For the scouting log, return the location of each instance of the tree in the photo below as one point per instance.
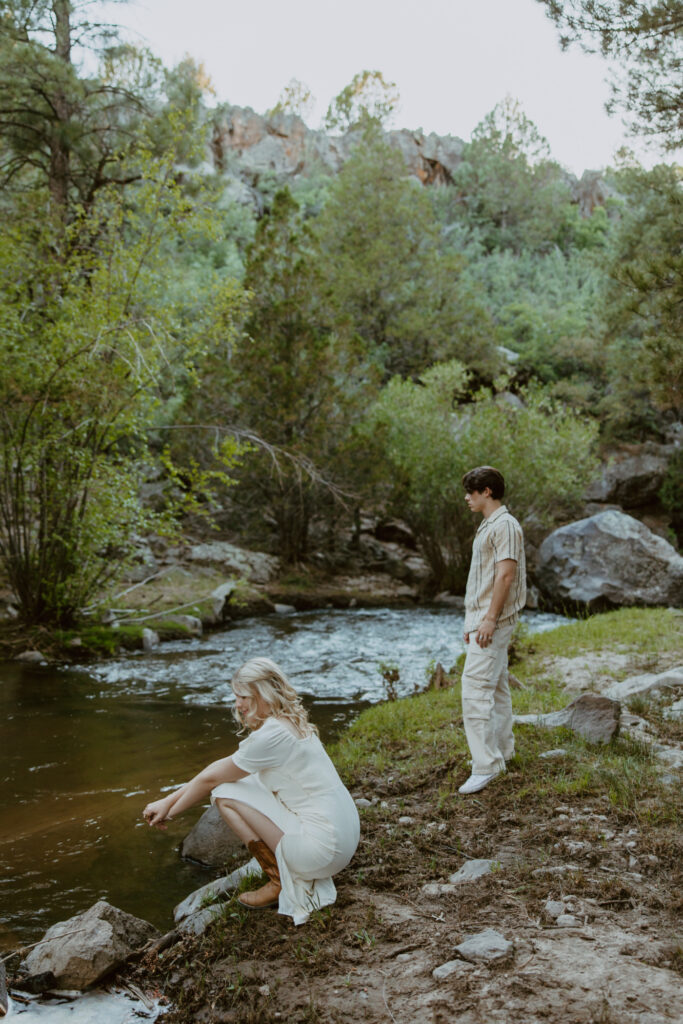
(383, 258)
(90, 344)
(292, 381)
(296, 98)
(507, 190)
(430, 436)
(645, 296)
(368, 98)
(643, 39)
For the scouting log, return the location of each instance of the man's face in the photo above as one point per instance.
(476, 500)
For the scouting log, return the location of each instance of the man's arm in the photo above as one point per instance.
(506, 571)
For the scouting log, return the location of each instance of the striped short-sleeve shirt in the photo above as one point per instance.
(498, 537)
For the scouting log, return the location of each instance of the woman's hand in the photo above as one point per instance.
(155, 813)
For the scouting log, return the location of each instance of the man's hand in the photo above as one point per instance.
(485, 631)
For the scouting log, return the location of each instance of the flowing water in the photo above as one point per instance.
(82, 750)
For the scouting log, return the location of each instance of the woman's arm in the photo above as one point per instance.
(198, 788)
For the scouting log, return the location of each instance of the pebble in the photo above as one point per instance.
(567, 921)
(406, 820)
(558, 752)
(484, 946)
(554, 908)
(362, 802)
(451, 967)
(472, 869)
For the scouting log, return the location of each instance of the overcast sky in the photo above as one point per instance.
(452, 61)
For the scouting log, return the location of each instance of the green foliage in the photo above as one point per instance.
(367, 99)
(381, 253)
(642, 39)
(430, 438)
(508, 193)
(646, 294)
(296, 98)
(88, 346)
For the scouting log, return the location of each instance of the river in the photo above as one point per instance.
(82, 750)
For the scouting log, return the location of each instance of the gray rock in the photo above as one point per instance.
(253, 565)
(212, 891)
(644, 683)
(633, 476)
(591, 715)
(406, 819)
(197, 923)
(555, 869)
(439, 888)
(150, 639)
(31, 657)
(557, 752)
(190, 622)
(473, 869)
(450, 600)
(220, 600)
(451, 967)
(210, 842)
(4, 1002)
(567, 921)
(362, 802)
(484, 947)
(553, 909)
(87, 947)
(674, 713)
(284, 609)
(609, 559)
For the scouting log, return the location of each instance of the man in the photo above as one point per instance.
(496, 591)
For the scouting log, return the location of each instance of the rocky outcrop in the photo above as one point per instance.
(81, 951)
(632, 475)
(609, 559)
(252, 145)
(210, 842)
(255, 566)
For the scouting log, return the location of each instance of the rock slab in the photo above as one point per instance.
(609, 559)
(646, 682)
(4, 1002)
(212, 891)
(591, 715)
(87, 947)
(210, 842)
(472, 869)
(484, 947)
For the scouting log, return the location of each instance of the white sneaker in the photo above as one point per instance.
(477, 782)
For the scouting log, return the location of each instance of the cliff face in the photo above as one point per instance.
(247, 145)
(283, 145)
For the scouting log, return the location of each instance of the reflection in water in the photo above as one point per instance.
(83, 750)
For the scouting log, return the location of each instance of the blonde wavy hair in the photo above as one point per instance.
(263, 678)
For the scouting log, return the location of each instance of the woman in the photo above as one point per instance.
(280, 793)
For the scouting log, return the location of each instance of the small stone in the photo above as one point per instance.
(555, 869)
(607, 835)
(451, 967)
(150, 639)
(567, 921)
(284, 609)
(31, 657)
(76, 642)
(362, 802)
(473, 869)
(558, 752)
(406, 820)
(632, 862)
(264, 990)
(485, 946)
(439, 888)
(562, 810)
(553, 909)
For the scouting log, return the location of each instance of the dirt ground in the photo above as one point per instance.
(370, 957)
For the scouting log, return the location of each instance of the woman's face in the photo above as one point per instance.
(252, 710)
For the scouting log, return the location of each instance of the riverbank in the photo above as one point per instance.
(586, 855)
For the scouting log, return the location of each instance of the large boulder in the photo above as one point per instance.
(211, 842)
(609, 559)
(87, 947)
(256, 566)
(632, 475)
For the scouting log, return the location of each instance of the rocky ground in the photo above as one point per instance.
(566, 873)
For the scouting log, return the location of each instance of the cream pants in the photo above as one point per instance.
(486, 705)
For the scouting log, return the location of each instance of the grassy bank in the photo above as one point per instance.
(596, 825)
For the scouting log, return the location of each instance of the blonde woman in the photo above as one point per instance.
(280, 793)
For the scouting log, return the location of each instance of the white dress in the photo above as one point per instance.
(294, 783)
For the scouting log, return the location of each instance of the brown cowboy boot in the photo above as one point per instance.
(268, 893)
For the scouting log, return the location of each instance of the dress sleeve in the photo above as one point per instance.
(267, 747)
(506, 540)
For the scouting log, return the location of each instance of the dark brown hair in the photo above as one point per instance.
(482, 477)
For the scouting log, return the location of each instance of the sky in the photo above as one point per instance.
(452, 61)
